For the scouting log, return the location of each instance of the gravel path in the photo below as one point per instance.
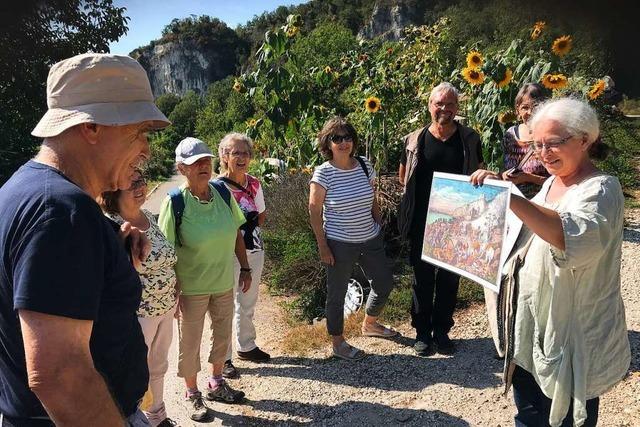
(392, 386)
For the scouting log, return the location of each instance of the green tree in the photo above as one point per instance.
(224, 110)
(167, 102)
(324, 46)
(34, 36)
(183, 117)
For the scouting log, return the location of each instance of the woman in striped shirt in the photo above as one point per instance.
(346, 221)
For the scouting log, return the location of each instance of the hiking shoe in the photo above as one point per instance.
(443, 344)
(168, 422)
(424, 347)
(230, 371)
(255, 355)
(200, 410)
(225, 394)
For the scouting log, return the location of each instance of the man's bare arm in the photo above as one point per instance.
(61, 371)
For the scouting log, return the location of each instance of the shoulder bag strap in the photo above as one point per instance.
(363, 166)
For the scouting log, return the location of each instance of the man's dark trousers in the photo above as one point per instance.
(427, 315)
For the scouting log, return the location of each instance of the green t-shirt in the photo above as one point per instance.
(208, 235)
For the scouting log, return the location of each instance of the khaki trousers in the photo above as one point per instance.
(194, 307)
(158, 333)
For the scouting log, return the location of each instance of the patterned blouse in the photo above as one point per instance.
(513, 153)
(252, 202)
(158, 276)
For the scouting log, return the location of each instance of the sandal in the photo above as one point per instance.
(347, 352)
(385, 333)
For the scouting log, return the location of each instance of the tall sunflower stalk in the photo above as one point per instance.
(490, 83)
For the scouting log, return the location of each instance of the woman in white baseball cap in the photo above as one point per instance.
(202, 221)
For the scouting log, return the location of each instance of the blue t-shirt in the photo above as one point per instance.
(62, 256)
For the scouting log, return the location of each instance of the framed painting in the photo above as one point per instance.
(466, 228)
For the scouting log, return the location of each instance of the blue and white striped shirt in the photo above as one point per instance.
(347, 205)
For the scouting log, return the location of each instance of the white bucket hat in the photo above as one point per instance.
(111, 90)
(190, 150)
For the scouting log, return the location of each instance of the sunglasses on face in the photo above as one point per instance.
(138, 183)
(339, 139)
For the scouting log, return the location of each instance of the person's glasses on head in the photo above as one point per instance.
(339, 139)
(238, 153)
(137, 183)
(552, 144)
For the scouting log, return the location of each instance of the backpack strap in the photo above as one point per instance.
(363, 165)
(222, 189)
(177, 205)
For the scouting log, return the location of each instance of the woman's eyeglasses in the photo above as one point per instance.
(549, 145)
(339, 139)
(138, 183)
(237, 154)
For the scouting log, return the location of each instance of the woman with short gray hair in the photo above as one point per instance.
(564, 332)
(236, 151)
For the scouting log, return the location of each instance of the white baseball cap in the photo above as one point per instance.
(190, 150)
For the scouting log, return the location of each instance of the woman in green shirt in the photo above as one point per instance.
(205, 241)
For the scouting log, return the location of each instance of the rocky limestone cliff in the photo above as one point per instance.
(178, 66)
(388, 21)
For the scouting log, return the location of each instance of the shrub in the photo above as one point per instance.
(469, 293)
(292, 264)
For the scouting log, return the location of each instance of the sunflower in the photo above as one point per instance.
(473, 75)
(252, 123)
(372, 104)
(474, 59)
(327, 69)
(363, 57)
(238, 86)
(562, 45)
(537, 29)
(506, 117)
(554, 81)
(292, 31)
(596, 90)
(506, 79)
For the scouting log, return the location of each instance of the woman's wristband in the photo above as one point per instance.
(245, 270)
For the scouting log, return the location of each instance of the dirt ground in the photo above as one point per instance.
(392, 386)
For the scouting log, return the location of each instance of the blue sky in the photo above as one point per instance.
(462, 192)
(148, 18)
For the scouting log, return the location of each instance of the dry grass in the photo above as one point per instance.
(303, 339)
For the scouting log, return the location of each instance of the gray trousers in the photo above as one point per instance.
(371, 256)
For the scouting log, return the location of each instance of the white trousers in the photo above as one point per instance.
(158, 333)
(245, 305)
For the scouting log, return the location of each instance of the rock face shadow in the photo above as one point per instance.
(351, 413)
(394, 372)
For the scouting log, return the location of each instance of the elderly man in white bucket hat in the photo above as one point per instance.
(71, 348)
